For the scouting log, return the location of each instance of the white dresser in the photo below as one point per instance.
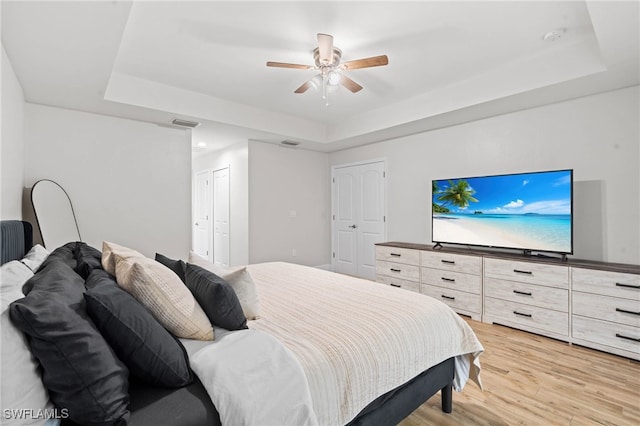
(455, 279)
(606, 311)
(593, 304)
(526, 295)
(398, 267)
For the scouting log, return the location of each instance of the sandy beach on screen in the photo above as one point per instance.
(459, 230)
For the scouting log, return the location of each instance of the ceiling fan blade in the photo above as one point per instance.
(303, 88)
(286, 65)
(325, 48)
(350, 84)
(374, 61)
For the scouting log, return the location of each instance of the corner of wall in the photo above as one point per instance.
(12, 154)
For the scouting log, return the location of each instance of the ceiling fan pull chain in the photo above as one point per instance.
(325, 93)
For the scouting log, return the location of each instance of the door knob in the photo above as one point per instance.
(353, 226)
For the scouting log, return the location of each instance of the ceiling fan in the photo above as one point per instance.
(327, 61)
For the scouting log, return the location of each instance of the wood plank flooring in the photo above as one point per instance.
(532, 380)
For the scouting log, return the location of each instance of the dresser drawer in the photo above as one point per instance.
(398, 270)
(607, 283)
(455, 299)
(607, 333)
(528, 294)
(399, 283)
(398, 255)
(453, 280)
(531, 316)
(615, 309)
(528, 272)
(451, 262)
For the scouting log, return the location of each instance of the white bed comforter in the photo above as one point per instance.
(356, 339)
(252, 379)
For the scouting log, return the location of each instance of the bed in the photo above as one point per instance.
(361, 346)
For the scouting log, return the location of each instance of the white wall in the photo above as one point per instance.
(597, 136)
(282, 180)
(12, 152)
(236, 157)
(129, 181)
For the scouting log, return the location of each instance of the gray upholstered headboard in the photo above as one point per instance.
(16, 239)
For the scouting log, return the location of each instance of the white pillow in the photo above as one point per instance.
(239, 279)
(13, 275)
(35, 257)
(21, 384)
(161, 291)
(109, 250)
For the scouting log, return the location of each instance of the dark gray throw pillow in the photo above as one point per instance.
(150, 352)
(80, 370)
(216, 297)
(88, 258)
(177, 266)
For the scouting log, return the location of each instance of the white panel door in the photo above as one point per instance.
(221, 217)
(358, 217)
(345, 218)
(371, 219)
(201, 214)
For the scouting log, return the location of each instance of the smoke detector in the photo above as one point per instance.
(554, 35)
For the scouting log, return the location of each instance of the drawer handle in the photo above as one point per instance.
(448, 297)
(624, 311)
(627, 285)
(622, 336)
(450, 262)
(395, 285)
(395, 254)
(451, 280)
(518, 271)
(522, 315)
(395, 270)
(524, 293)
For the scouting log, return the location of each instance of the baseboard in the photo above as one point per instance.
(326, 267)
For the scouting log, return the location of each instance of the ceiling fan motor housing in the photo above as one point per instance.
(337, 54)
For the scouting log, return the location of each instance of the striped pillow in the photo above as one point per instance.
(160, 290)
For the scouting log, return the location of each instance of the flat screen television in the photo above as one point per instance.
(526, 211)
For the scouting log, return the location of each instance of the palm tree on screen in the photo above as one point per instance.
(459, 193)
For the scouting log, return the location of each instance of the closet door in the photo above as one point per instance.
(201, 214)
(221, 217)
(358, 198)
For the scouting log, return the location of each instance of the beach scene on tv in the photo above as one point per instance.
(529, 211)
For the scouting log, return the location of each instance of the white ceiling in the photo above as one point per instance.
(449, 62)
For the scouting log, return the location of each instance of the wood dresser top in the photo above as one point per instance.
(576, 263)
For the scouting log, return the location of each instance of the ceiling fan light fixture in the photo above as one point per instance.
(316, 82)
(334, 78)
(327, 58)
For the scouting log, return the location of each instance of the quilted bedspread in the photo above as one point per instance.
(356, 339)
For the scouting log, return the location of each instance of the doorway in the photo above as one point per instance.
(221, 217)
(211, 236)
(358, 216)
(201, 208)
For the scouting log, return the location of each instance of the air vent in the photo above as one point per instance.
(290, 143)
(184, 123)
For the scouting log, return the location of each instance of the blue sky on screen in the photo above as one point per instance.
(543, 193)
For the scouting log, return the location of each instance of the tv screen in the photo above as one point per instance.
(528, 211)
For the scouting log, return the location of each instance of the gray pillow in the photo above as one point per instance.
(80, 371)
(150, 352)
(216, 297)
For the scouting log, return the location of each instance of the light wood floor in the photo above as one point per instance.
(533, 380)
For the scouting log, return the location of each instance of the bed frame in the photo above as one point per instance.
(191, 406)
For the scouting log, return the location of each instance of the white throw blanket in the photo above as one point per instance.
(252, 379)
